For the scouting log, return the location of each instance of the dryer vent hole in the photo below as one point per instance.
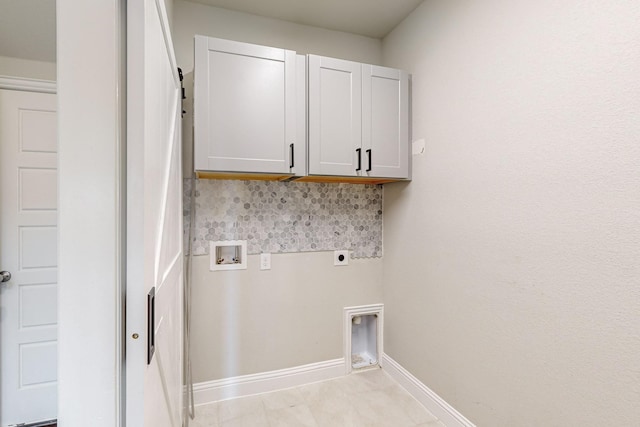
(358, 360)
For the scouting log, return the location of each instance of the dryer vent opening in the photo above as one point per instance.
(364, 345)
(363, 327)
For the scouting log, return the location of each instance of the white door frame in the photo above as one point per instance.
(91, 93)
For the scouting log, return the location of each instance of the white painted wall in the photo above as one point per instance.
(251, 321)
(511, 269)
(90, 166)
(25, 68)
(192, 18)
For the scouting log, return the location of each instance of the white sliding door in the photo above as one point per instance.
(154, 221)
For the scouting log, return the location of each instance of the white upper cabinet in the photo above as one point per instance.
(268, 111)
(358, 119)
(247, 107)
(385, 121)
(335, 111)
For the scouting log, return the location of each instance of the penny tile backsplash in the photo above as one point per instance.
(281, 217)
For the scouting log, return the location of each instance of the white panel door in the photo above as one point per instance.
(154, 221)
(335, 106)
(245, 107)
(28, 250)
(385, 122)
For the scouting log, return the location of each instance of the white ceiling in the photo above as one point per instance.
(28, 29)
(373, 18)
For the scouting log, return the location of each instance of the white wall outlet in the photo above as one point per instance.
(265, 261)
(341, 257)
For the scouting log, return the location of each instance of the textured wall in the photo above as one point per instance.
(280, 217)
(512, 261)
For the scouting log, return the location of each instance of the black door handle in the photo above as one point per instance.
(151, 324)
(369, 153)
(359, 151)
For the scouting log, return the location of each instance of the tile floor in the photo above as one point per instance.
(370, 398)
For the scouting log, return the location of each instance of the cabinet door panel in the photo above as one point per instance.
(385, 121)
(245, 118)
(334, 116)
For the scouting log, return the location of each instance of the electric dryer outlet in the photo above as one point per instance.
(341, 257)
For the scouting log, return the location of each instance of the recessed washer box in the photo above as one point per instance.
(228, 255)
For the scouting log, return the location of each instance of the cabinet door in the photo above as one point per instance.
(334, 116)
(245, 107)
(385, 122)
(299, 163)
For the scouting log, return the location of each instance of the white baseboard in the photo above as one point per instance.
(264, 382)
(246, 385)
(429, 399)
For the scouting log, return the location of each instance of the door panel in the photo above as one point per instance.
(38, 305)
(38, 189)
(38, 247)
(334, 116)
(154, 219)
(28, 249)
(39, 131)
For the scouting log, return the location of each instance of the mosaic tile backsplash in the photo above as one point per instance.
(281, 217)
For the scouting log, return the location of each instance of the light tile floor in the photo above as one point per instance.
(365, 399)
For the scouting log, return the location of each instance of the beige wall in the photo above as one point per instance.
(251, 321)
(254, 321)
(192, 18)
(512, 261)
(17, 67)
